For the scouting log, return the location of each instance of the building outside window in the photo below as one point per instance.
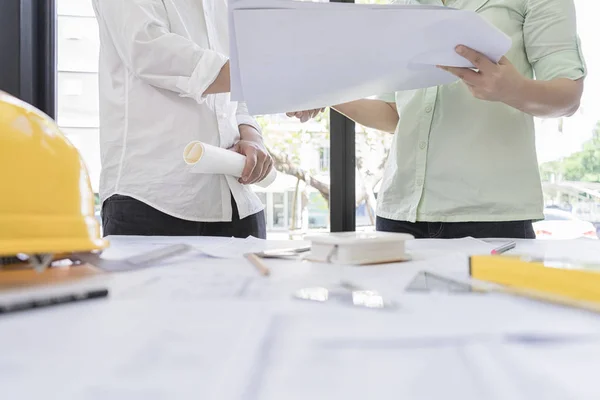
(324, 159)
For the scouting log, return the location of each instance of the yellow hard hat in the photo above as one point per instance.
(46, 199)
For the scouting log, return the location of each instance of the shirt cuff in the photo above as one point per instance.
(204, 75)
(569, 64)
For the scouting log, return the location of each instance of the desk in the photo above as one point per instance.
(204, 328)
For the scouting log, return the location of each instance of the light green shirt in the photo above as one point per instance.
(458, 159)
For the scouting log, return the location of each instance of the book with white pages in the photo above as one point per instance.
(359, 248)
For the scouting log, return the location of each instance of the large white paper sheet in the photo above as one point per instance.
(236, 87)
(426, 248)
(287, 59)
(146, 350)
(336, 356)
(237, 249)
(213, 329)
(128, 247)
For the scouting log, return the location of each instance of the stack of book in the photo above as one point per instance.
(359, 248)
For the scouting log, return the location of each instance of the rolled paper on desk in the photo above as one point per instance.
(207, 159)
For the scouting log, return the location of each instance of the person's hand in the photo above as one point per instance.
(492, 82)
(305, 115)
(258, 161)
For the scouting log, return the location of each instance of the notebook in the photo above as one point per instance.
(23, 288)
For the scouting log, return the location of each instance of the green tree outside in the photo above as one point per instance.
(582, 166)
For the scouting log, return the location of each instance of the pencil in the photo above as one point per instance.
(258, 264)
(504, 248)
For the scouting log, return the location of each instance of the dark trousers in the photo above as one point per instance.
(454, 230)
(123, 215)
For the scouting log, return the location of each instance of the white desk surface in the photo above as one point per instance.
(203, 328)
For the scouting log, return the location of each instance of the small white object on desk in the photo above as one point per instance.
(359, 248)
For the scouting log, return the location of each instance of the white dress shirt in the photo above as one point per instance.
(157, 58)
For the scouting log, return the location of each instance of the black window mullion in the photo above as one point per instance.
(342, 136)
(47, 69)
(28, 48)
(342, 194)
(10, 47)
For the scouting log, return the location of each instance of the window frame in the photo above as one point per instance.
(29, 65)
(342, 170)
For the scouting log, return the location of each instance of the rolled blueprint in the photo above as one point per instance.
(207, 159)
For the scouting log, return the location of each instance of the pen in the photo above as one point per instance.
(504, 248)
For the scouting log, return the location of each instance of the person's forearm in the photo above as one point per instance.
(376, 114)
(222, 84)
(549, 99)
(249, 133)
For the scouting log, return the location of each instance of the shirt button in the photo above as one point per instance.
(422, 145)
(428, 109)
(419, 182)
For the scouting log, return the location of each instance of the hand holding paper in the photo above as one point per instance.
(501, 82)
(492, 81)
(305, 115)
(258, 162)
(207, 159)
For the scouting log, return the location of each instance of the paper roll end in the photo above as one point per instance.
(270, 178)
(193, 152)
